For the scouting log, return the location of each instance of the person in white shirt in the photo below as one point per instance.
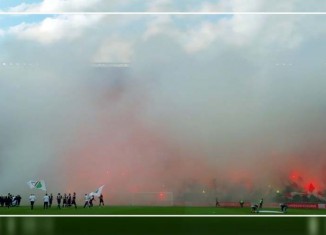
(86, 200)
(46, 199)
(32, 199)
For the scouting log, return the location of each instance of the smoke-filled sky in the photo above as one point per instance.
(229, 104)
(163, 5)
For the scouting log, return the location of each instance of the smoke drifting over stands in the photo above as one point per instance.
(228, 114)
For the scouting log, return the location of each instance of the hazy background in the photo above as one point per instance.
(227, 106)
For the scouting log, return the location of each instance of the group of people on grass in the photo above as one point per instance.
(89, 198)
(10, 200)
(255, 207)
(65, 200)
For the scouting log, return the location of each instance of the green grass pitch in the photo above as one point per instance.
(157, 220)
(149, 210)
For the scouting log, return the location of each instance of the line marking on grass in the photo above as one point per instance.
(163, 216)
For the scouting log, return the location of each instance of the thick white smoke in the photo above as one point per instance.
(227, 106)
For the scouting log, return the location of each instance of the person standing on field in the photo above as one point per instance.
(73, 201)
(217, 203)
(101, 200)
(91, 199)
(32, 199)
(46, 200)
(86, 197)
(65, 198)
(261, 203)
(59, 198)
(50, 200)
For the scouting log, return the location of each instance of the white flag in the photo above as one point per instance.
(98, 192)
(37, 184)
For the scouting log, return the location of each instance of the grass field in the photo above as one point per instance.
(150, 210)
(203, 221)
